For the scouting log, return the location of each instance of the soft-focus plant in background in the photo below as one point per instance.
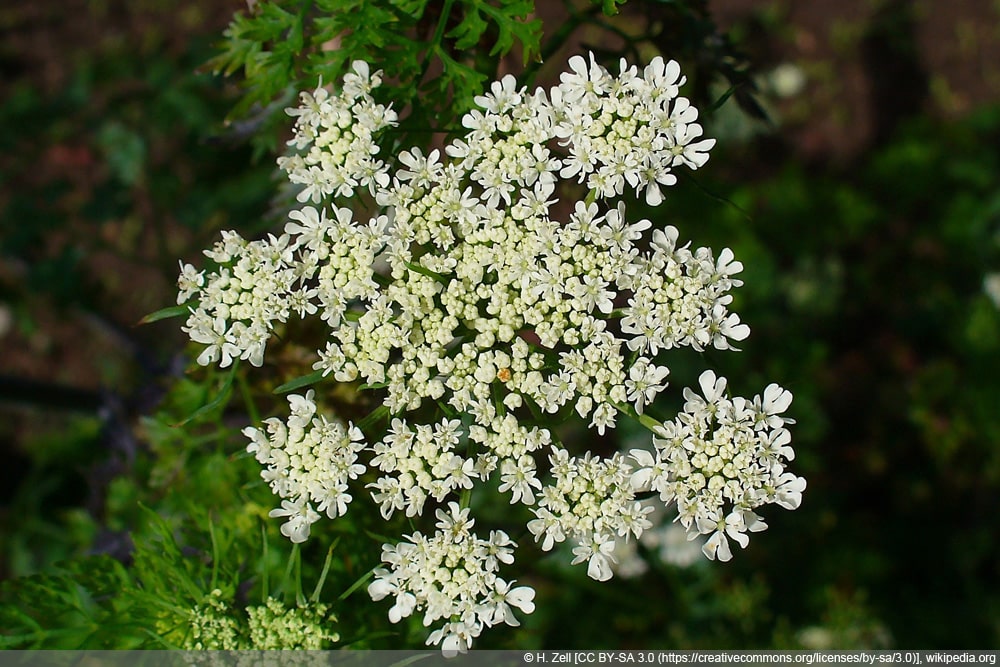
(882, 254)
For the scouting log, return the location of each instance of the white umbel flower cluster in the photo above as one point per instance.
(308, 462)
(592, 502)
(721, 459)
(238, 305)
(452, 575)
(484, 314)
(339, 133)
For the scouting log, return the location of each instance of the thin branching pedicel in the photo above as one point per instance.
(465, 294)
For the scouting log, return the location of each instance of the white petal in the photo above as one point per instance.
(599, 568)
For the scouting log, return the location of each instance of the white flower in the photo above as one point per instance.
(687, 151)
(652, 176)
(788, 490)
(502, 97)
(717, 545)
(451, 576)
(712, 388)
(405, 605)
(726, 265)
(644, 382)
(422, 171)
(217, 337)
(518, 477)
(309, 226)
(619, 232)
(300, 519)
(603, 418)
(308, 461)
(664, 78)
(498, 608)
(776, 400)
(642, 479)
(768, 410)
(775, 446)
(455, 521)
(726, 326)
(454, 638)
(718, 461)
(189, 282)
(359, 82)
(583, 82)
(599, 554)
(547, 526)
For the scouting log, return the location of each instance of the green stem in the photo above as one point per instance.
(424, 271)
(215, 553)
(300, 599)
(433, 45)
(556, 42)
(265, 578)
(438, 31)
(252, 411)
(326, 569)
(290, 567)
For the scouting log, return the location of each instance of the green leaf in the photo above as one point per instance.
(299, 382)
(511, 24)
(722, 99)
(424, 271)
(377, 385)
(326, 570)
(377, 415)
(471, 29)
(610, 7)
(356, 585)
(463, 81)
(164, 314)
(220, 399)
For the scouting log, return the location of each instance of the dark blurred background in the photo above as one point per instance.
(865, 207)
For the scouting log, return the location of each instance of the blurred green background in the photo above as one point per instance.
(866, 212)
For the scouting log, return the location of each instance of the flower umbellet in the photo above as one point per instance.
(215, 624)
(467, 292)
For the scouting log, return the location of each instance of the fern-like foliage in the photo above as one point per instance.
(438, 53)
